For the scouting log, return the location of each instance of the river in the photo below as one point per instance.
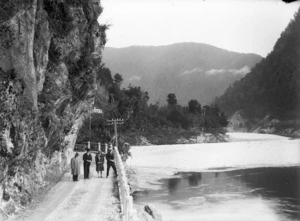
(252, 177)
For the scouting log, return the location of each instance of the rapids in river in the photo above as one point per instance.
(252, 177)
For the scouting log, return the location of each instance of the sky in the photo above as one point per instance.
(247, 26)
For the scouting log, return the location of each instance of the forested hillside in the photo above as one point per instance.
(189, 70)
(272, 88)
(160, 124)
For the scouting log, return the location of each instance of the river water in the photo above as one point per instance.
(254, 177)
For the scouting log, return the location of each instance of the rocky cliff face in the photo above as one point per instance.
(50, 53)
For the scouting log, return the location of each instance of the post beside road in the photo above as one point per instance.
(115, 122)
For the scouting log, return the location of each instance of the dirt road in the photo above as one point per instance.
(88, 199)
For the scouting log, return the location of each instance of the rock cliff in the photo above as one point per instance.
(50, 54)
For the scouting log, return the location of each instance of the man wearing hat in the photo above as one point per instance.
(87, 160)
(110, 159)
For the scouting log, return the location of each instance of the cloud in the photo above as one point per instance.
(134, 78)
(188, 72)
(244, 70)
(215, 71)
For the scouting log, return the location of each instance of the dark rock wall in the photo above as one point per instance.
(50, 53)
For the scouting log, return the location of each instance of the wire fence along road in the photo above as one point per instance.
(127, 209)
(95, 147)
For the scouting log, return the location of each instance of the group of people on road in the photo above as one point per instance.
(99, 161)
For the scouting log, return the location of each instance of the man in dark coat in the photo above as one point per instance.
(110, 159)
(87, 160)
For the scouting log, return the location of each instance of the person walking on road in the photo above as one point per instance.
(87, 160)
(110, 158)
(75, 168)
(99, 159)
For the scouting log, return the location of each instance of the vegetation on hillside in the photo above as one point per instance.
(160, 124)
(272, 86)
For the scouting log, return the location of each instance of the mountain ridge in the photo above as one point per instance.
(180, 43)
(179, 68)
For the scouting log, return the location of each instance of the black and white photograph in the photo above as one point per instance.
(149, 110)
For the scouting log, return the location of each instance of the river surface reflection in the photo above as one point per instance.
(269, 194)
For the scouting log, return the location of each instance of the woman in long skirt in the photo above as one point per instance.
(99, 159)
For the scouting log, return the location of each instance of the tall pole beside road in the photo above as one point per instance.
(115, 122)
(90, 126)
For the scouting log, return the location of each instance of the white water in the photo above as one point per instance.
(244, 151)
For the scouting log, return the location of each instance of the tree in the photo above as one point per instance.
(206, 110)
(223, 120)
(118, 79)
(194, 106)
(104, 76)
(172, 101)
